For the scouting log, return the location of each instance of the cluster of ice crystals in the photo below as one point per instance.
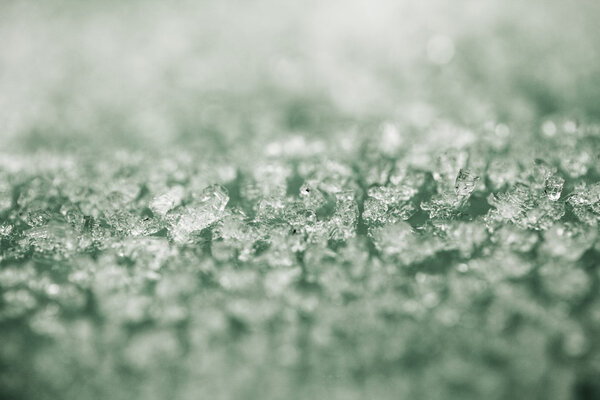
(388, 204)
(585, 201)
(204, 210)
(525, 207)
(315, 259)
(442, 206)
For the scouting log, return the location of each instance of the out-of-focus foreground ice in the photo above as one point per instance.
(328, 199)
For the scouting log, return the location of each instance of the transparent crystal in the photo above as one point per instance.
(442, 206)
(205, 210)
(374, 211)
(447, 166)
(343, 222)
(465, 183)
(554, 185)
(391, 194)
(271, 208)
(163, 203)
(540, 173)
(311, 196)
(585, 202)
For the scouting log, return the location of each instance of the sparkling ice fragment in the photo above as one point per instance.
(554, 186)
(207, 209)
(465, 183)
(162, 204)
(311, 196)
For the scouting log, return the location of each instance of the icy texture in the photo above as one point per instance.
(268, 200)
(465, 264)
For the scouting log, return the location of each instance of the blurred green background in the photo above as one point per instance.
(149, 73)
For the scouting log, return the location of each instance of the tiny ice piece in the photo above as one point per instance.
(553, 187)
(311, 196)
(465, 183)
(203, 212)
(163, 203)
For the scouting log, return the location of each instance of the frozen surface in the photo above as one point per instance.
(225, 200)
(284, 278)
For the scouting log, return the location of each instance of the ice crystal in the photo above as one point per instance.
(163, 203)
(204, 210)
(465, 183)
(553, 187)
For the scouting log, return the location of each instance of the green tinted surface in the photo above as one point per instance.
(322, 200)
